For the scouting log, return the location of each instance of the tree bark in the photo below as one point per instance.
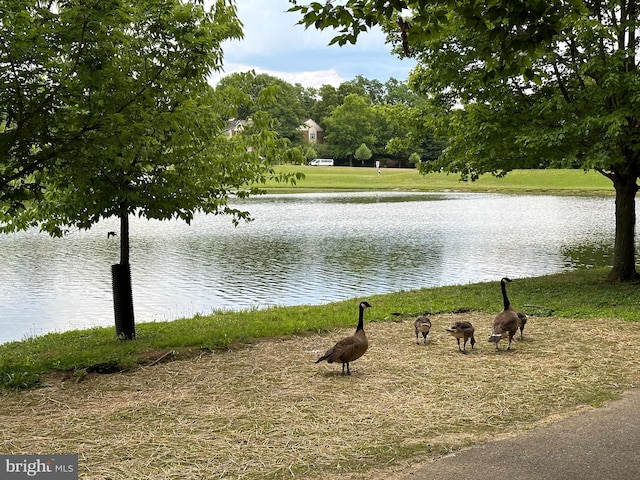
(624, 265)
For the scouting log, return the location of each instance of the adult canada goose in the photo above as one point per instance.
(522, 321)
(465, 331)
(350, 348)
(422, 325)
(507, 321)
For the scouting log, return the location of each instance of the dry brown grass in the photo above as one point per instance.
(268, 411)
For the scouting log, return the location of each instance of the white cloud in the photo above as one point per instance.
(274, 44)
(309, 79)
(313, 78)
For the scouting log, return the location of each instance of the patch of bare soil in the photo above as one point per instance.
(269, 411)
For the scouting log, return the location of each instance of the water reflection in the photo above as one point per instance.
(584, 255)
(301, 249)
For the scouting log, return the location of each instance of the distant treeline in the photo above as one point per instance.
(363, 120)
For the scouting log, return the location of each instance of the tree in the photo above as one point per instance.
(374, 89)
(323, 107)
(399, 93)
(393, 130)
(414, 158)
(284, 101)
(310, 153)
(108, 113)
(350, 125)
(407, 130)
(308, 97)
(539, 83)
(363, 153)
(350, 88)
(331, 97)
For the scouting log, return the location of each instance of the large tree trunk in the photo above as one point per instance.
(624, 264)
(122, 292)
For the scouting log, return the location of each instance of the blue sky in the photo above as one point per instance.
(274, 44)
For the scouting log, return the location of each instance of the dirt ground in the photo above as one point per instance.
(268, 411)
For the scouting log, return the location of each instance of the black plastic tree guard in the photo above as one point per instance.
(123, 300)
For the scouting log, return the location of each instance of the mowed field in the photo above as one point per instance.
(574, 182)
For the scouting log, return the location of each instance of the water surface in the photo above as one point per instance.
(300, 249)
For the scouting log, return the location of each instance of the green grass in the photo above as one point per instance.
(518, 181)
(579, 294)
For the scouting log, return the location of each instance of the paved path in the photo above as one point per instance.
(598, 444)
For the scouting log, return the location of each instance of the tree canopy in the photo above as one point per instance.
(520, 84)
(350, 125)
(113, 113)
(93, 87)
(280, 99)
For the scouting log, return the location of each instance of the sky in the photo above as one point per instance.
(275, 45)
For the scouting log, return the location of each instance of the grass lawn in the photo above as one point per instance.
(574, 182)
(579, 294)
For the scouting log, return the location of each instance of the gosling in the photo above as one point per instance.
(422, 325)
(465, 331)
(522, 321)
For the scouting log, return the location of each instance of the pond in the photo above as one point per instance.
(300, 249)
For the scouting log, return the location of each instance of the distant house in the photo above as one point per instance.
(235, 126)
(311, 132)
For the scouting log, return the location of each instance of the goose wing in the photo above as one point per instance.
(505, 322)
(342, 351)
(460, 327)
(344, 348)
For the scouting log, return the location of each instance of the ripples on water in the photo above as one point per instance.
(300, 249)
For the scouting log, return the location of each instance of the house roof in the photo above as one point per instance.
(309, 124)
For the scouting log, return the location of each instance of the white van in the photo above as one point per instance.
(321, 162)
